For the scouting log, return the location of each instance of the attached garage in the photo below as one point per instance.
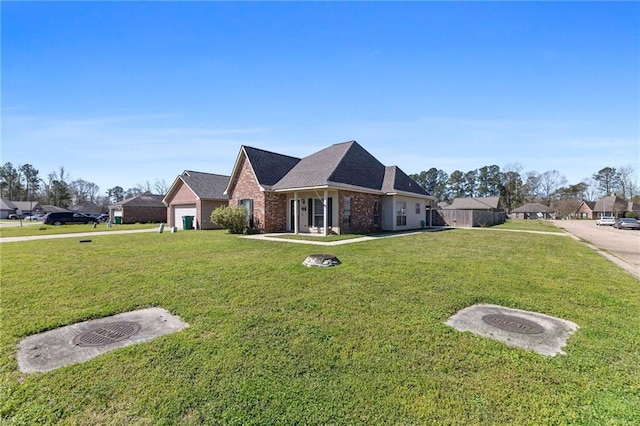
(180, 211)
(195, 194)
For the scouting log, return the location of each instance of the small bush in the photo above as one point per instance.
(233, 219)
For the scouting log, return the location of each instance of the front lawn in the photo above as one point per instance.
(271, 341)
(29, 230)
(528, 225)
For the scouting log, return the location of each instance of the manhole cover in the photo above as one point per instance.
(321, 260)
(106, 334)
(513, 324)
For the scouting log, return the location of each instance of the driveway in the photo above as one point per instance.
(620, 246)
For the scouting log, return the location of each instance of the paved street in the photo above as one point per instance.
(620, 246)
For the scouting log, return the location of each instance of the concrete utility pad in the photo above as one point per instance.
(85, 340)
(321, 260)
(541, 333)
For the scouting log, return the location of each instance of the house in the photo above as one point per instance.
(531, 211)
(586, 210)
(471, 211)
(490, 204)
(88, 207)
(26, 208)
(48, 208)
(611, 205)
(6, 208)
(142, 208)
(339, 189)
(195, 194)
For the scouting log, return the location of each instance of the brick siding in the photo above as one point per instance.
(361, 211)
(144, 214)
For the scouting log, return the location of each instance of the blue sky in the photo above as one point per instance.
(120, 93)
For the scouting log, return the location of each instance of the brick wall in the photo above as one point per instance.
(361, 211)
(144, 214)
(275, 212)
(247, 187)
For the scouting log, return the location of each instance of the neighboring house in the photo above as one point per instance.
(195, 194)
(490, 204)
(611, 205)
(48, 208)
(6, 208)
(88, 207)
(27, 207)
(531, 211)
(586, 210)
(472, 211)
(139, 209)
(339, 189)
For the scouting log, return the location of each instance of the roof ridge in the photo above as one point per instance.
(268, 152)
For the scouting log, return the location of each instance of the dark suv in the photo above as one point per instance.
(64, 218)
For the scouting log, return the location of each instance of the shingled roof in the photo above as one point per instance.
(474, 203)
(146, 199)
(269, 167)
(396, 180)
(532, 208)
(206, 186)
(347, 164)
(343, 163)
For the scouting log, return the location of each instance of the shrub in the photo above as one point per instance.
(233, 219)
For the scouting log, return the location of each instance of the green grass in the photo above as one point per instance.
(41, 229)
(328, 238)
(271, 341)
(529, 225)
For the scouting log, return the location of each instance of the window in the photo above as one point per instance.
(417, 208)
(376, 213)
(316, 212)
(401, 213)
(248, 205)
(346, 212)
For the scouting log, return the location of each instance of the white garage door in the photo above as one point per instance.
(186, 210)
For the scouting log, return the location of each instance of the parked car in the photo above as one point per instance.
(16, 216)
(627, 223)
(606, 220)
(64, 218)
(34, 217)
(103, 217)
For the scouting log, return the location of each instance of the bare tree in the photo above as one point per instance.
(592, 191)
(550, 181)
(161, 187)
(84, 191)
(144, 187)
(626, 175)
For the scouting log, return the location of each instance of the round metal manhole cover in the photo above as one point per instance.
(513, 324)
(106, 334)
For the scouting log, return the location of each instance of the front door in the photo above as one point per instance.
(292, 212)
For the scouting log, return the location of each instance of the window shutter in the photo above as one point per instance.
(310, 212)
(330, 212)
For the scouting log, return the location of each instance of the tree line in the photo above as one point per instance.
(516, 188)
(24, 183)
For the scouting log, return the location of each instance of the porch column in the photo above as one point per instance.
(296, 220)
(430, 214)
(326, 211)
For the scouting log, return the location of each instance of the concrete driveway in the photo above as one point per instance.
(620, 246)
